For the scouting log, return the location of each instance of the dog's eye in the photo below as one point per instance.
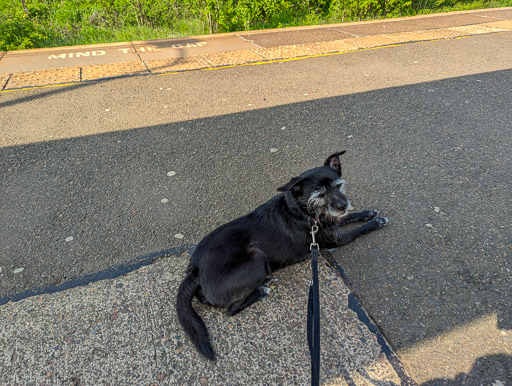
(321, 195)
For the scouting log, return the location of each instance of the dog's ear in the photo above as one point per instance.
(333, 161)
(295, 185)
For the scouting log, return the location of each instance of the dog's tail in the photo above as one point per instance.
(190, 320)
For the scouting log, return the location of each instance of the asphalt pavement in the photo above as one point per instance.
(101, 178)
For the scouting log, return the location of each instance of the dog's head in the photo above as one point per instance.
(319, 192)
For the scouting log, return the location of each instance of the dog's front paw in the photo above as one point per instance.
(379, 222)
(367, 215)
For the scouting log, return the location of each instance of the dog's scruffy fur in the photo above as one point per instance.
(230, 267)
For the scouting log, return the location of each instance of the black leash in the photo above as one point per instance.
(314, 312)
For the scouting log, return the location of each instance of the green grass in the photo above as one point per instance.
(93, 34)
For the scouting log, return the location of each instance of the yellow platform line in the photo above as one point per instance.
(45, 86)
(269, 61)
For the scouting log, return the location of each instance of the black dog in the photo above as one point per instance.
(230, 266)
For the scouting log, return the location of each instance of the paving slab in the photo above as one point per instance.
(332, 46)
(409, 25)
(450, 20)
(380, 27)
(175, 48)
(371, 41)
(498, 13)
(476, 347)
(505, 24)
(477, 29)
(62, 57)
(299, 36)
(44, 77)
(110, 70)
(439, 33)
(125, 331)
(233, 58)
(157, 66)
(284, 52)
(3, 80)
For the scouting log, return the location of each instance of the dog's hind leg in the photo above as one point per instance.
(201, 298)
(258, 294)
(251, 281)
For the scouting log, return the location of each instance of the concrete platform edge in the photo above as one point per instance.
(145, 50)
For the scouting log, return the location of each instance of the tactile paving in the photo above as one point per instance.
(504, 24)
(441, 33)
(158, 66)
(44, 77)
(112, 70)
(371, 41)
(284, 52)
(477, 29)
(233, 58)
(332, 46)
(402, 37)
(3, 80)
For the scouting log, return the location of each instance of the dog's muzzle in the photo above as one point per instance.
(340, 211)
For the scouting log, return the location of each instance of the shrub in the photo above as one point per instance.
(18, 32)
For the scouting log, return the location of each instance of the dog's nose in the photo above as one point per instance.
(341, 205)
